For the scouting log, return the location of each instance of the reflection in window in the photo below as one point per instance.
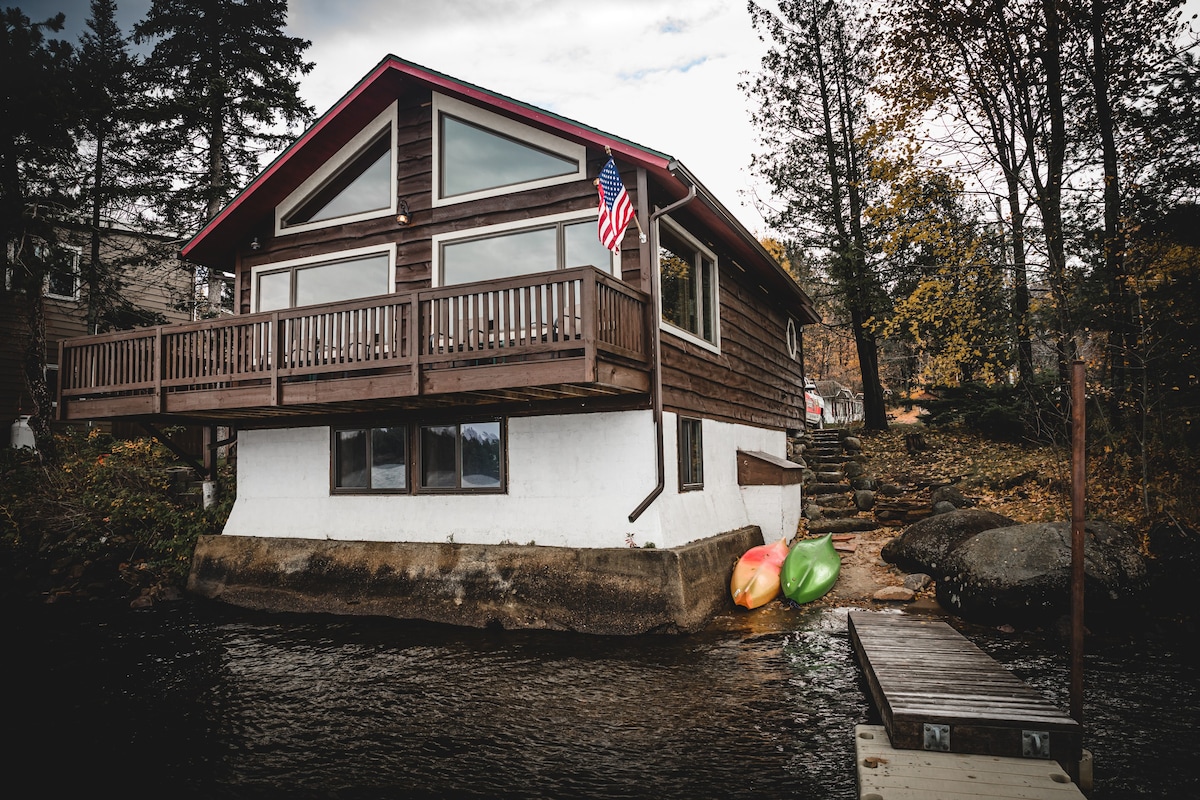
(463, 456)
(371, 459)
(475, 159)
(365, 184)
(524, 252)
(312, 284)
(688, 284)
(503, 256)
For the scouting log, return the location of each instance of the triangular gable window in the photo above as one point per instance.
(363, 185)
(475, 159)
(357, 183)
(478, 154)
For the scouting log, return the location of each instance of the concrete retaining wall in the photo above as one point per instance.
(618, 591)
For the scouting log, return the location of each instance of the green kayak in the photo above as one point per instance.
(810, 569)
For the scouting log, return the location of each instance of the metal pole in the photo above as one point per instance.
(1078, 492)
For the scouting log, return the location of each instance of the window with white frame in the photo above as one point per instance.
(479, 153)
(356, 183)
(311, 281)
(503, 251)
(691, 454)
(687, 283)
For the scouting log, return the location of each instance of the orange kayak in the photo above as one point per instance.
(756, 574)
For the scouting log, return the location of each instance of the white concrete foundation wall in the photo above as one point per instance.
(573, 480)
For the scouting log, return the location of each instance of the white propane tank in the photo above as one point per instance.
(22, 434)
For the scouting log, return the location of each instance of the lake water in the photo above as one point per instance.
(192, 700)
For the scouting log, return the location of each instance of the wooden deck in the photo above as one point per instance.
(576, 333)
(936, 691)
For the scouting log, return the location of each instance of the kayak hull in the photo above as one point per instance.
(755, 580)
(810, 569)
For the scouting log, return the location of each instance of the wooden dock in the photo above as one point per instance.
(936, 692)
(886, 773)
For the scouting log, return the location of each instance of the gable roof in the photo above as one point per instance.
(389, 80)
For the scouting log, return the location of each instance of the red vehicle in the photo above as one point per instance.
(814, 405)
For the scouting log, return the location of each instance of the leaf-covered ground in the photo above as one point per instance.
(1024, 482)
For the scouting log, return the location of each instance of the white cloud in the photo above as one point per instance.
(660, 73)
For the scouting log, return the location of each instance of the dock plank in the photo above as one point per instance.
(923, 672)
(884, 772)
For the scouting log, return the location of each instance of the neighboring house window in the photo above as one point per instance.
(691, 455)
(371, 459)
(312, 281)
(688, 283)
(445, 457)
(356, 183)
(62, 271)
(465, 457)
(478, 154)
(62, 281)
(504, 251)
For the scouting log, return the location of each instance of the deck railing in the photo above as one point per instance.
(580, 311)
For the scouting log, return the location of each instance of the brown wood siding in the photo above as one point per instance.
(414, 242)
(753, 380)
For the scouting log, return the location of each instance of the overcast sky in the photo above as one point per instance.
(660, 73)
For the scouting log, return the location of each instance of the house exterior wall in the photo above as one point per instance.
(573, 480)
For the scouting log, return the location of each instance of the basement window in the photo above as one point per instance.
(691, 455)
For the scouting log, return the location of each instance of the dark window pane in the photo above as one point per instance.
(389, 458)
(439, 467)
(351, 460)
(481, 455)
(691, 453)
(677, 262)
(474, 159)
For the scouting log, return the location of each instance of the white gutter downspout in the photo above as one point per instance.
(656, 387)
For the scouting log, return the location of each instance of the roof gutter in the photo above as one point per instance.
(656, 386)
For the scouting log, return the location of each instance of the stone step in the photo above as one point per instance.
(832, 476)
(842, 525)
(829, 488)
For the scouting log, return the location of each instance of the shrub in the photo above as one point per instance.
(107, 509)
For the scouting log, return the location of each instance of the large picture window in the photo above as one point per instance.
(478, 153)
(688, 283)
(454, 457)
(505, 252)
(311, 282)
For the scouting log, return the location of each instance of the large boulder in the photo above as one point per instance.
(1022, 573)
(923, 546)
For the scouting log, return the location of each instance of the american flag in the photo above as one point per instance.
(615, 208)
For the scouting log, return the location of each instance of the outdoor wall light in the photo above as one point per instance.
(404, 216)
(254, 243)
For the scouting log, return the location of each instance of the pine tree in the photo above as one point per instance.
(221, 83)
(35, 143)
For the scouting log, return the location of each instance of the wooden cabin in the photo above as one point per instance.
(437, 371)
